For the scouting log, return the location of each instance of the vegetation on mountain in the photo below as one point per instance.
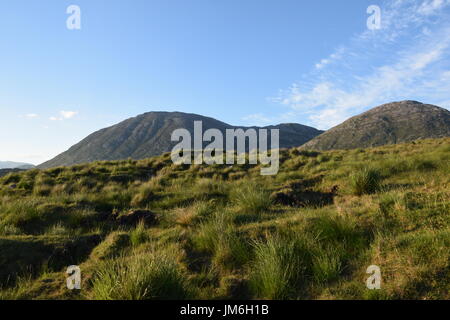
(391, 123)
(149, 135)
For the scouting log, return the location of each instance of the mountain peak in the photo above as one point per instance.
(390, 123)
(149, 134)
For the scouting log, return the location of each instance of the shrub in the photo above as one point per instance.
(140, 277)
(365, 181)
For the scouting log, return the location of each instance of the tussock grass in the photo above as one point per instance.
(281, 267)
(139, 234)
(365, 181)
(152, 276)
(218, 237)
(252, 199)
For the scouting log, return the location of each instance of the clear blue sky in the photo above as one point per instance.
(245, 62)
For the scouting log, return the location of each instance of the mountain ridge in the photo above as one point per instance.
(14, 165)
(148, 135)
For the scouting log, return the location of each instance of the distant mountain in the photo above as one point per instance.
(390, 123)
(13, 165)
(149, 135)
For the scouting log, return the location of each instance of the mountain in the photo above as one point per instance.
(149, 135)
(390, 123)
(13, 165)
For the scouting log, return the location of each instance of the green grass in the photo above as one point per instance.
(251, 198)
(219, 235)
(281, 267)
(365, 181)
(140, 277)
(139, 234)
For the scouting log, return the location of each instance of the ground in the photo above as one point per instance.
(149, 229)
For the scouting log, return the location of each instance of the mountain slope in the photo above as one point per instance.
(149, 135)
(390, 123)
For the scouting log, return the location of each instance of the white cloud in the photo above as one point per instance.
(332, 58)
(68, 114)
(374, 69)
(430, 6)
(31, 116)
(64, 115)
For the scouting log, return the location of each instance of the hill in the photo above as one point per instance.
(149, 135)
(149, 229)
(391, 123)
(4, 172)
(14, 165)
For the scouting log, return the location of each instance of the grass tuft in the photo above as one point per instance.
(365, 181)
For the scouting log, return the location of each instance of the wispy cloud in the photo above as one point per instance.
(31, 116)
(408, 58)
(64, 115)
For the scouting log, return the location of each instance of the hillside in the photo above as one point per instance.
(149, 135)
(149, 229)
(391, 123)
(4, 172)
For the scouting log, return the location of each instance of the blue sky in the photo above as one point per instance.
(245, 62)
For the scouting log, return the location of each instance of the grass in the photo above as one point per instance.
(280, 268)
(251, 198)
(139, 277)
(139, 234)
(221, 234)
(365, 181)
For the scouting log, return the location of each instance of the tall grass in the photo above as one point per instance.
(144, 194)
(252, 199)
(218, 237)
(140, 277)
(281, 267)
(365, 181)
(327, 264)
(139, 234)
